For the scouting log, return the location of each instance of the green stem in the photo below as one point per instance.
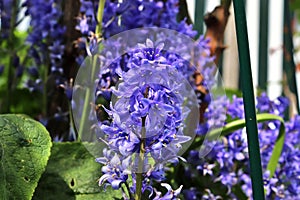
(72, 122)
(100, 17)
(128, 190)
(84, 112)
(141, 157)
(44, 75)
(45, 93)
(87, 98)
(10, 69)
(139, 177)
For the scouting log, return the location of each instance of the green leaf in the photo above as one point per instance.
(24, 151)
(73, 173)
(238, 124)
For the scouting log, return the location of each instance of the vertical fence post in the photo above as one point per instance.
(263, 44)
(288, 48)
(199, 19)
(248, 97)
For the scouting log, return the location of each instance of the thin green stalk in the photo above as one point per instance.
(138, 192)
(248, 97)
(100, 17)
(10, 69)
(128, 190)
(87, 98)
(139, 174)
(72, 122)
(84, 112)
(139, 177)
(44, 74)
(45, 93)
(141, 157)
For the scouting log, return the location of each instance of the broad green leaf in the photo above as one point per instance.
(238, 124)
(24, 151)
(72, 173)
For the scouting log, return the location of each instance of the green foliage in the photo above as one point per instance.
(7, 52)
(295, 4)
(232, 92)
(295, 7)
(72, 173)
(20, 49)
(24, 151)
(216, 187)
(25, 102)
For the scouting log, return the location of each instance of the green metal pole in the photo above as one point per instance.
(199, 16)
(263, 44)
(248, 97)
(288, 59)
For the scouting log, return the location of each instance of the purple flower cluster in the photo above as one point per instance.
(5, 15)
(146, 116)
(46, 40)
(126, 15)
(150, 88)
(87, 20)
(226, 167)
(149, 85)
(9, 11)
(115, 170)
(147, 120)
(215, 115)
(86, 24)
(277, 107)
(163, 51)
(132, 14)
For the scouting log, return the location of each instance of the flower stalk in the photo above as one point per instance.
(100, 17)
(11, 40)
(87, 98)
(141, 157)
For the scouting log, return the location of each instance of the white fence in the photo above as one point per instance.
(230, 64)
